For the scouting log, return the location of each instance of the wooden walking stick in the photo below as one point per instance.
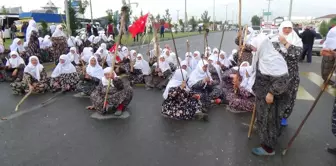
(325, 85)
(124, 9)
(220, 45)
(22, 100)
(178, 60)
(252, 121)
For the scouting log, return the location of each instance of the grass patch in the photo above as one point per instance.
(7, 43)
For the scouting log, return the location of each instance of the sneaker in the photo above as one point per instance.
(262, 152)
(284, 122)
(118, 113)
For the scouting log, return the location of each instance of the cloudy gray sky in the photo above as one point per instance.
(195, 8)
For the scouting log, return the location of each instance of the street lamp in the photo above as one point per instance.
(290, 10)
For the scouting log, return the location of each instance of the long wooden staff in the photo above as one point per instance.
(220, 45)
(23, 99)
(252, 122)
(178, 60)
(205, 46)
(122, 24)
(325, 85)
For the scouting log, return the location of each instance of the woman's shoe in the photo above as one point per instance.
(262, 152)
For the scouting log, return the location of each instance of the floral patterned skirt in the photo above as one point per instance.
(64, 82)
(86, 86)
(180, 110)
(113, 100)
(22, 87)
(8, 75)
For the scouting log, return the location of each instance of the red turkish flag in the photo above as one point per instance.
(138, 26)
(113, 49)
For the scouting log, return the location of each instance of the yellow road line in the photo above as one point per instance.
(302, 94)
(317, 79)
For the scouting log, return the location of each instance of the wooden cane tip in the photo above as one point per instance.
(284, 152)
(16, 109)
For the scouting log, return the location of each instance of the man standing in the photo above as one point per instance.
(13, 31)
(308, 37)
(110, 30)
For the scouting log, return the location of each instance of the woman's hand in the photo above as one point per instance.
(327, 52)
(269, 98)
(87, 76)
(197, 96)
(183, 85)
(14, 72)
(31, 87)
(282, 40)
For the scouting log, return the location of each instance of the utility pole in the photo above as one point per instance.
(268, 10)
(290, 10)
(214, 11)
(67, 16)
(226, 13)
(185, 10)
(178, 18)
(91, 12)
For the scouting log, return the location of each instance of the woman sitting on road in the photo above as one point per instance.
(200, 82)
(161, 73)
(14, 67)
(243, 100)
(141, 72)
(91, 78)
(119, 95)
(64, 77)
(35, 78)
(17, 46)
(179, 103)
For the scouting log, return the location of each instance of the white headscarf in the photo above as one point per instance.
(208, 49)
(195, 60)
(292, 37)
(270, 61)
(188, 59)
(16, 47)
(175, 81)
(232, 53)
(143, 65)
(173, 59)
(132, 52)
(124, 52)
(91, 38)
(250, 36)
(65, 68)
(40, 41)
(105, 81)
(214, 59)
(73, 57)
(198, 74)
(78, 41)
(110, 38)
(226, 62)
(104, 37)
(14, 62)
(87, 53)
(185, 63)
(58, 32)
(71, 41)
(246, 83)
(34, 70)
(96, 40)
(330, 41)
(31, 27)
(46, 42)
(94, 71)
(215, 50)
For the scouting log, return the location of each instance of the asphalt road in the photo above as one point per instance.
(62, 132)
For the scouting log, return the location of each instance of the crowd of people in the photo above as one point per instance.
(263, 75)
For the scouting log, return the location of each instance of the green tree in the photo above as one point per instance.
(44, 26)
(128, 13)
(73, 21)
(332, 21)
(205, 17)
(82, 7)
(109, 16)
(181, 24)
(193, 23)
(324, 27)
(255, 20)
(158, 18)
(167, 17)
(4, 12)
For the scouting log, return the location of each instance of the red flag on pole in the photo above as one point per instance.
(138, 26)
(112, 50)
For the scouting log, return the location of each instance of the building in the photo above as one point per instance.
(14, 10)
(50, 7)
(325, 18)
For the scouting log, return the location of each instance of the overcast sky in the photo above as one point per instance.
(195, 8)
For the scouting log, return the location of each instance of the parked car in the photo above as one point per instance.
(318, 44)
